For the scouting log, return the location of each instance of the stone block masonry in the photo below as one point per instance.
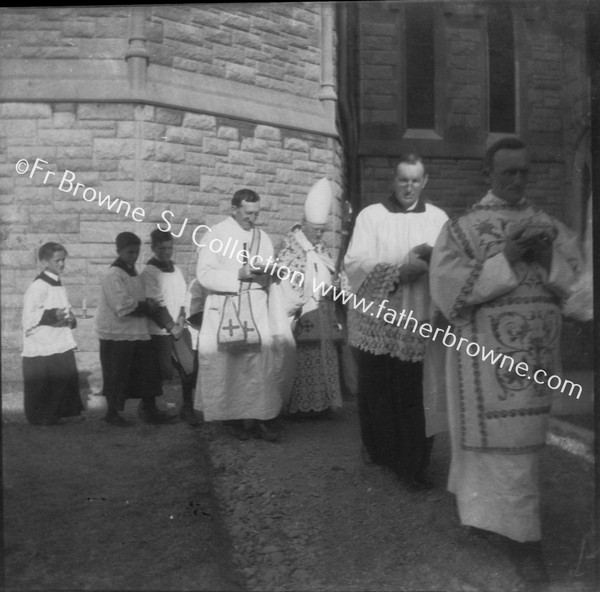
(153, 158)
(64, 33)
(255, 44)
(551, 96)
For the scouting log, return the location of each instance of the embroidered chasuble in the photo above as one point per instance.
(509, 311)
(316, 385)
(245, 348)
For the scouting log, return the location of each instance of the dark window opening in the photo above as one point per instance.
(501, 68)
(420, 66)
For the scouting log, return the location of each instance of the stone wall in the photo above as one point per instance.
(272, 46)
(464, 64)
(170, 161)
(76, 32)
(160, 160)
(576, 96)
(379, 65)
(554, 93)
(553, 111)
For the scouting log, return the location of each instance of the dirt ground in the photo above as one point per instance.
(91, 507)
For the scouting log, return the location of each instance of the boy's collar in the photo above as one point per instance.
(49, 278)
(118, 262)
(54, 276)
(166, 266)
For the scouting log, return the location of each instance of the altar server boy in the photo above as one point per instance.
(50, 379)
(164, 283)
(127, 356)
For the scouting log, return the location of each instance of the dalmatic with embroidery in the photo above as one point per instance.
(509, 310)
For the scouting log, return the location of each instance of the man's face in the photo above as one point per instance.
(245, 215)
(163, 251)
(410, 180)
(129, 254)
(508, 176)
(56, 263)
(314, 232)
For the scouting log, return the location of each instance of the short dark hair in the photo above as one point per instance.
(410, 158)
(47, 250)
(244, 195)
(126, 239)
(158, 236)
(508, 143)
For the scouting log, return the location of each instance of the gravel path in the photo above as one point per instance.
(307, 514)
(175, 508)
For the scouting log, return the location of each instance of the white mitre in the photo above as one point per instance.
(317, 206)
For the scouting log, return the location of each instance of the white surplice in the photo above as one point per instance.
(253, 384)
(168, 288)
(45, 293)
(381, 242)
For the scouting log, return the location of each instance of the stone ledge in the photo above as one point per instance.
(574, 439)
(106, 81)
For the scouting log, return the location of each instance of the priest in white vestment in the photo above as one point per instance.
(498, 275)
(246, 347)
(386, 264)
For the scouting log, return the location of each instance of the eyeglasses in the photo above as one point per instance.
(407, 182)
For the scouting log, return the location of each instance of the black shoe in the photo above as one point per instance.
(114, 419)
(44, 421)
(529, 562)
(414, 485)
(266, 432)
(480, 533)
(188, 414)
(423, 482)
(154, 415)
(415, 482)
(411, 481)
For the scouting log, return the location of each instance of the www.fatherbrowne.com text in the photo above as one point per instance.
(407, 321)
(69, 184)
